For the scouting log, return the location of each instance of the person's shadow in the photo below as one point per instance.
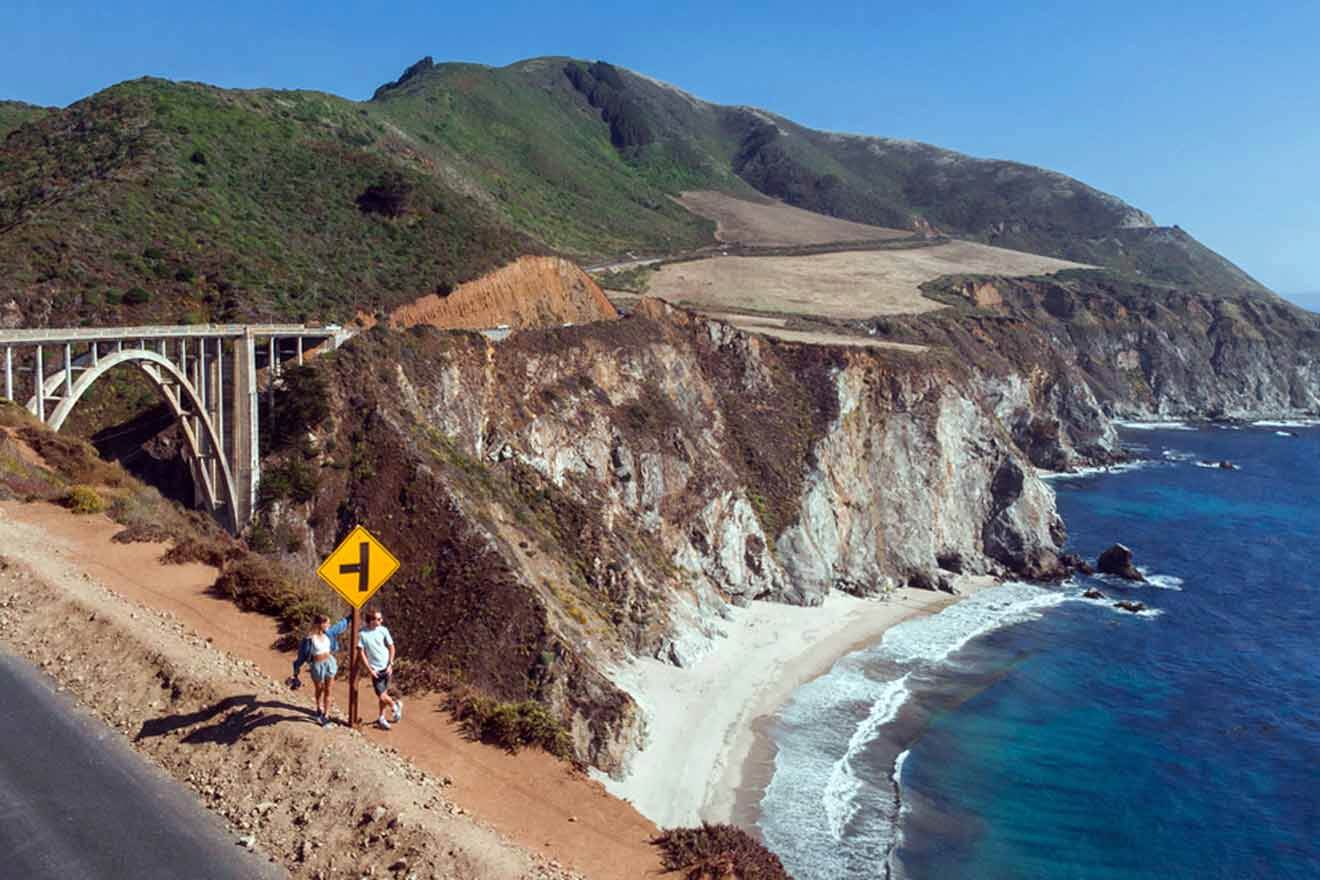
(232, 719)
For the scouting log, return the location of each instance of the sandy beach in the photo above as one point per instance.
(702, 721)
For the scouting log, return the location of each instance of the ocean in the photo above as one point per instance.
(1028, 732)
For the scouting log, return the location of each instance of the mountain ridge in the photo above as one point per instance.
(868, 178)
(160, 201)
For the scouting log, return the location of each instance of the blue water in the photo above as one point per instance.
(1041, 735)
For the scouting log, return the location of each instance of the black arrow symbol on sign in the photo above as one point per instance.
(361, 567)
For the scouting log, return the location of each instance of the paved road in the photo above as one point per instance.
(77, 802)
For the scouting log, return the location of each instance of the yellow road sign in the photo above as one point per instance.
(359, 567)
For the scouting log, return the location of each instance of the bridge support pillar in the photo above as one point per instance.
(247, 452)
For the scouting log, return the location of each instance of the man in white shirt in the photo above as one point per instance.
(376, 650)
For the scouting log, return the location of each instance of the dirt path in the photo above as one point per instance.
(531, 798)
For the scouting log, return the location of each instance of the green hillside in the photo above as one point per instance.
(544, 155)
(583, 154)
(15, 113)
(160, 201)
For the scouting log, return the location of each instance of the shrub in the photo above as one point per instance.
(265, 586)
(715, 851)
(388, 196)
(83, 499)
(509, 725)
(73, 459)
(293, 479)
(260, 539)
(301, 404)
(136, 296)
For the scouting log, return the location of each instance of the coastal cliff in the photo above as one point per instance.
(1097, 347)
(571, 498)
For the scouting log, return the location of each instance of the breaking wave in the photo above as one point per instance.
(840, 797)
(822, 785)
(933, 639)
(1156, 426)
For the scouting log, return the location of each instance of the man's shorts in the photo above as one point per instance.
(380, 681)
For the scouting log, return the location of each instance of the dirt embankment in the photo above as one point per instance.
(193, 684)
(325, 804)
(530, 292)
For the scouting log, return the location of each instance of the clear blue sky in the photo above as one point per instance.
(1209, 119)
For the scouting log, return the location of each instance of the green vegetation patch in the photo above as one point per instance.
(545, 155)
(161, 202)
(510, 726)
(713, 852)
(83, 500)
(16, 113)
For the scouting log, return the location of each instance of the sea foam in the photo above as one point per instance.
(1156, 426)
(932, 639)
(840, 795)
(1286, 423)
(1163, 581)
(1092, 470)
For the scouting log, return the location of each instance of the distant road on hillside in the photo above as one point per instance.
(75, 801)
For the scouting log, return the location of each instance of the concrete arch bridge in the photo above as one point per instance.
(209, 375)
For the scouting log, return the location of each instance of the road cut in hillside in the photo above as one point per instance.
(529, 292)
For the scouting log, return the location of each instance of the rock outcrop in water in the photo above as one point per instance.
(572, 497)
(1117, 560)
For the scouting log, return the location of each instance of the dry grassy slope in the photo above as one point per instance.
(530, 292)
(771, 223)
(853, 284)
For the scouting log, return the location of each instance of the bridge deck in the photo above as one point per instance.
(55, 335)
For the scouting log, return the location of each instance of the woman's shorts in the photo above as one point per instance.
(324, 670)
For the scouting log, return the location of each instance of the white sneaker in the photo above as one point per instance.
(382, 723)
(398, 711)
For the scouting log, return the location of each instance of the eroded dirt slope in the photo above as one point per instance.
(529, 292)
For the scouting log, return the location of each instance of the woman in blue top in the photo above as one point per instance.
(318, 648)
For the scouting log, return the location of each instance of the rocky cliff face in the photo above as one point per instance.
(571, 497)
(1096, 344)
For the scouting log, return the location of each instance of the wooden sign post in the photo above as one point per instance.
(352, 667)
(357, 568)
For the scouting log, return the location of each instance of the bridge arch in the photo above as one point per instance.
(199, 430)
